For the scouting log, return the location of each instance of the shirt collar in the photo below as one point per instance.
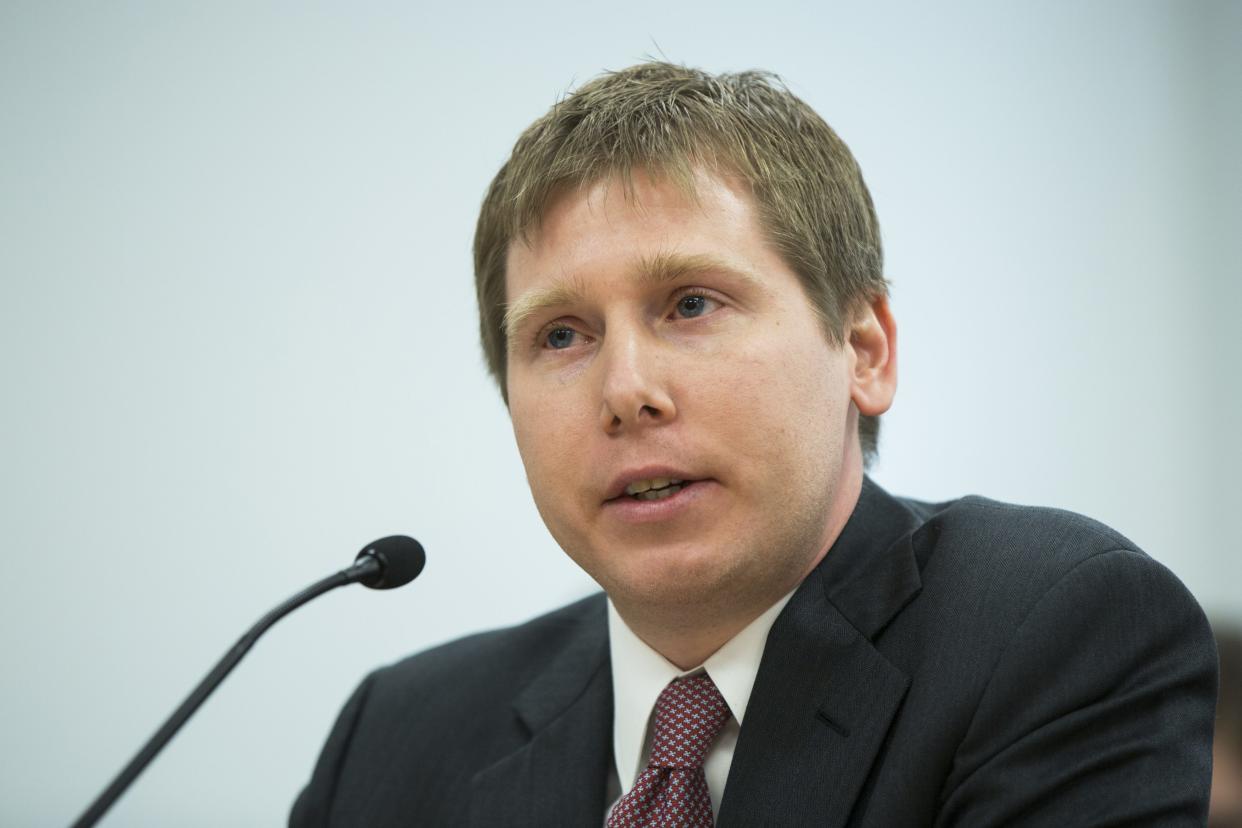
(639, 674)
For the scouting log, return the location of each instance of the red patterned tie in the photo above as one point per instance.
(672, 791)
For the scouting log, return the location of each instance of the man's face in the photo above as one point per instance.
(656, 339)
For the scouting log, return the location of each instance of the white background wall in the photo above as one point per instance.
(237, 332)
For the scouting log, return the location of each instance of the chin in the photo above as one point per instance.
(687, 574)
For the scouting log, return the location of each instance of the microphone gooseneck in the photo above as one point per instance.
(384, 564)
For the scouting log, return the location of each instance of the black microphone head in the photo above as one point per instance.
(401, 559)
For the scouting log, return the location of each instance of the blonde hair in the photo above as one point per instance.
(668, 121)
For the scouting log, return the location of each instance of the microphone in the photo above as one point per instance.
(383, 564)
(390, 562)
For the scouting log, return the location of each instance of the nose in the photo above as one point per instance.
(635, 391)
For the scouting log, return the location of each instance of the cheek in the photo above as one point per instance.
(546, 431)
(780, 384)
(530, 431)
(785, 415)
(549, 443)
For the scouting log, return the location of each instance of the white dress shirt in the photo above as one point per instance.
(639, 674)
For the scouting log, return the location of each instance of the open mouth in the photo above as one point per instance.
(656, 489)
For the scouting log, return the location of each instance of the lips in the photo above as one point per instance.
(657, 489)
(664, 509)
(647, 483)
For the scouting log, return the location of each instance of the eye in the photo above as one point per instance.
(560, 338)
(694, 304)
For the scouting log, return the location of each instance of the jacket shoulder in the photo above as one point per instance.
(440, 717)
(990, 571)
(990, 539)
(1071, 676)
(493, 661)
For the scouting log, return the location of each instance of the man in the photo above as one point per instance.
(682, 298)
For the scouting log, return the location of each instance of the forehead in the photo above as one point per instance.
(648, 225)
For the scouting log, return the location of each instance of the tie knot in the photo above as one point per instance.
(688, 715)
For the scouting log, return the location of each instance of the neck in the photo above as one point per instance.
(688, 648)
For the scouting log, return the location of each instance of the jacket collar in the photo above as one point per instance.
(871, 572)
(825, 697)
(559, 776)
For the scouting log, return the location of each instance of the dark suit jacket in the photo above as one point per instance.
(971, 663)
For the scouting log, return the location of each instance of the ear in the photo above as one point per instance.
(873, 366)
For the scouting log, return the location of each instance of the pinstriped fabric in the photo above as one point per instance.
(672, 791)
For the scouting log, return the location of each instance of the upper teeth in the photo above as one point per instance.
(639, 486)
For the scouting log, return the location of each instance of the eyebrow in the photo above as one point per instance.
(651, 271)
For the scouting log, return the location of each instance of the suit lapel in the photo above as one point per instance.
(824, 697)
(559, 776)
